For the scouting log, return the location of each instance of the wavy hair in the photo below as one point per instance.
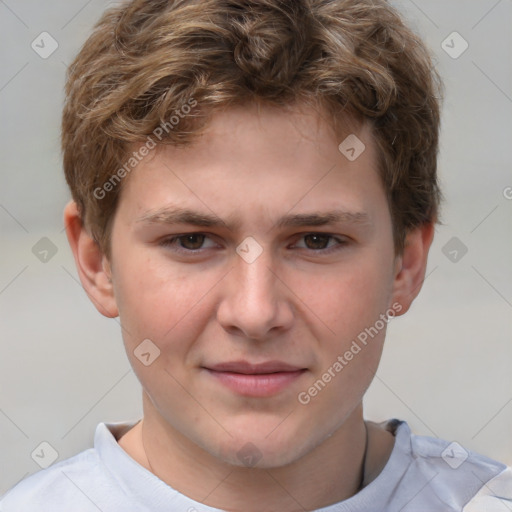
(146, 58)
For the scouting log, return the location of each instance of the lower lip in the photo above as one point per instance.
(258, 385)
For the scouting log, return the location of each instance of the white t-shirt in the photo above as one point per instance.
(423, 474)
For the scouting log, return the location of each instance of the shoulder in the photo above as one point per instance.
(454, 476)
(495, 495)
(56, 487)
(88, 481)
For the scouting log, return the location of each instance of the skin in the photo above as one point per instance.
(297, 302)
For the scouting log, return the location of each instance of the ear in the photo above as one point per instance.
(411, 265)
(92, 265)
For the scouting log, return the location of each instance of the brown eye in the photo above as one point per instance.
(317, 241)
(192, 242)
(321, 243)
(189, 244)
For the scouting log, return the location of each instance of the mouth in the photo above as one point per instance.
(256, 380)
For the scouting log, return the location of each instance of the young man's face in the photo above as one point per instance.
(252, 307)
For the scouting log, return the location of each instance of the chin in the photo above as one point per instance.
(266, 448)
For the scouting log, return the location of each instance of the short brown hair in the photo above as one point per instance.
(147, 58)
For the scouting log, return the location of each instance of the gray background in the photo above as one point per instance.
(446, 368)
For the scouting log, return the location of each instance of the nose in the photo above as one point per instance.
(255, 302)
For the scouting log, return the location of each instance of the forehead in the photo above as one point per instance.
(261, 158)
(271, 130)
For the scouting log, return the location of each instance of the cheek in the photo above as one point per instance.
(347, 299)
(349, 351)
(157, 300)
(168, 311)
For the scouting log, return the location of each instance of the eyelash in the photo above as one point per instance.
(172, 243)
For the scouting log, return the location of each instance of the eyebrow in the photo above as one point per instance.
(169, 215)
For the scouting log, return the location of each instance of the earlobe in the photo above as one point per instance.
(411, 266)
(92, 265)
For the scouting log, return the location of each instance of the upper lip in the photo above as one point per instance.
(251, 368)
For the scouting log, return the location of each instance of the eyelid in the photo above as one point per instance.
(340, 239)
(172, 241)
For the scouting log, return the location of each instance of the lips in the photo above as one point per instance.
(254, 369)
(255, 379)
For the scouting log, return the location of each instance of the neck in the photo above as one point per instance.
(329, 473)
